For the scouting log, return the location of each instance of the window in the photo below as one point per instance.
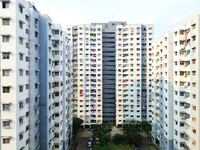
(36, 34)
(57, 115)
(194, 84)
(6, 89)
(20, 72)
(21, 136)
(194, 119)
(6, 107)
(36, 47)
(27, 45)
(21, 105)
(6, 56)
(56, 31)
(36, 60)
(20, 56)
(193, 61)
(37, 137)
(194, 26)
(37, 111)
(181, 93)
(21, 121)
(27, 59)
(5, 5)
(27, 17)
(6, 124)
(36, 99)
(20, 88)
(5, 22)
(5, 39)
(21, 41)
(6, 73)
(36, 73)
(36, 22)
(36, 86)
(181, 124)
(20, 24)
(6, 140)
(20, 9)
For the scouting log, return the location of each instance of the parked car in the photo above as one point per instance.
(89, 144)
(97, 140)
(91, 138)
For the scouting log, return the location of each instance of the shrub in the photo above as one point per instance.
(118, 139)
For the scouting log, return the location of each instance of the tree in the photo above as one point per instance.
(131, 130)
(101, 129)
(118, 138)
(104, 139)
(76, 124)
(145, 127)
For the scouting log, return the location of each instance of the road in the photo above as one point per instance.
(83, 138)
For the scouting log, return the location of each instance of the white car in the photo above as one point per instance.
(89, 145)
(97, 140)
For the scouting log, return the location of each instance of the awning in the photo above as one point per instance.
(5, 34)
(6, 68)
(5, 119)
(5, 17)
(37, 134)
(6, 136)
(6, 102)
(20, 4)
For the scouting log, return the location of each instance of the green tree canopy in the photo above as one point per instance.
(76, 124)
(131, 130)
(145, 127)
(118, 138)
(104, 139)
(101, 129)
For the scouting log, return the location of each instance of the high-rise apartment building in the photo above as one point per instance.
(109, 70)
(83, 46)
(133, 46)
(86, 43)
(19, 75)
(35, 91)
(162, 91)
(55, 108)
(186, 84)
(175, 85)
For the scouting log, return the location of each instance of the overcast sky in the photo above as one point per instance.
(164, 14)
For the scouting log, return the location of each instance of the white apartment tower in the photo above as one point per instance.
(56, 113)
(35, 91)
(46, 113)
(186, 84)
(19, 75)
(175, 87)
(86, 43)
(133, 57)
(162, 92)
